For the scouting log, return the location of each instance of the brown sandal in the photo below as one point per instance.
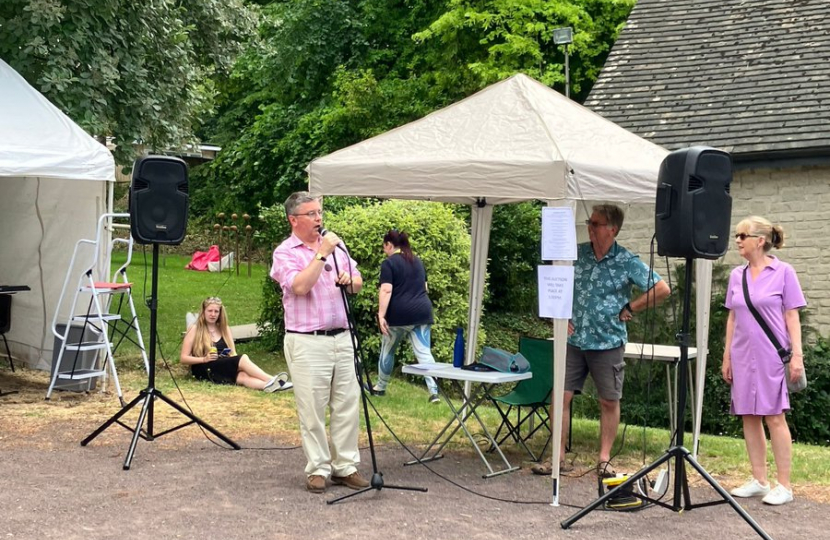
(605, 470)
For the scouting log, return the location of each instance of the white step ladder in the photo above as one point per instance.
(99, 321)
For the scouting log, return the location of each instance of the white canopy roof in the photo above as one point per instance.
(39, 140)
(513, 141)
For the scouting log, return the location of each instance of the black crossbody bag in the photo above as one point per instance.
(785, 354)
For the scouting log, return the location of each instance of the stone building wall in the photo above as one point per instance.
(796, 198)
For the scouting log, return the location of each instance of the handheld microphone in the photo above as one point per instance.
(324, 231)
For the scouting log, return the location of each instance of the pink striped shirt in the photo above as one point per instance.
(322, 308)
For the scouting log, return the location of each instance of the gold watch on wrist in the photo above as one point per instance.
(319, 257)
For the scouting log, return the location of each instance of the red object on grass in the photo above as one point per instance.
(200, 259)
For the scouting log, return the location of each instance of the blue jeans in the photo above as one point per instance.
(419, 337)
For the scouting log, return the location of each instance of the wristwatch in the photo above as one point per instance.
(319, 257)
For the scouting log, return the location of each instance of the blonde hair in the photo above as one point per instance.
(201, 339)
(772, 234)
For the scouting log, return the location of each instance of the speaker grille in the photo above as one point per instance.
(695, 183)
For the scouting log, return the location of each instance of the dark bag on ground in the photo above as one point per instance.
(504, 361)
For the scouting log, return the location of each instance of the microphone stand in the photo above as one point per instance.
(377, 476)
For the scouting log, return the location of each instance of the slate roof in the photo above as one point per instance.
(749, 76)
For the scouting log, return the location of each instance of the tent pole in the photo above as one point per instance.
(482, 217)
(703, 302)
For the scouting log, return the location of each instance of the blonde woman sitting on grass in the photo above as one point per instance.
(210, 352)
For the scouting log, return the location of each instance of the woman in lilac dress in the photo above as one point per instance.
(751, 364)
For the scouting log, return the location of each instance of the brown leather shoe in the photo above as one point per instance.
(316, 483)
(353, 481)
(546, 469)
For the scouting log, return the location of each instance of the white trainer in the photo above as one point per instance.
(778, 496)
(753, 488)
(278, 383)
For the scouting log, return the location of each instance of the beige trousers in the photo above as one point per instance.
(322, 370)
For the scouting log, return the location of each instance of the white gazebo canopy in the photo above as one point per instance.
(516, 140)
(54, 181)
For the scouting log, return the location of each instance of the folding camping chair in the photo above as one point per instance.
(532, 395)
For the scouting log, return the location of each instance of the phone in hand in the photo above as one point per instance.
(225, 352)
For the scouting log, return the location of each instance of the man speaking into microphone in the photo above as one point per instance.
(318, 348)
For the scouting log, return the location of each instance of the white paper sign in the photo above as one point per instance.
(558, 234)
(556, 291)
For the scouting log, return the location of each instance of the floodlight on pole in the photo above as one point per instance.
(565, 36)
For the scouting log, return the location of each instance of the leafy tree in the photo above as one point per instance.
(494, 39)
(319, 76)
(140, 72)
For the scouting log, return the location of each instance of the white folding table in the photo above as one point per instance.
(480, 380)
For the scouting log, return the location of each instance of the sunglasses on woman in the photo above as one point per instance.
(744, 236)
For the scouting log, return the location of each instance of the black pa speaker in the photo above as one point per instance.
(693, 210)
(158, 200)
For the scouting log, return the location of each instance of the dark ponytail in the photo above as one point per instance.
(400, 240)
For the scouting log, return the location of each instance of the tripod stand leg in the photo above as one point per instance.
(376, 483)
(113, 419)
(197, 420)
(727, 497)
(150, 393)
(610, 494)
(352, 494)
(148, 404)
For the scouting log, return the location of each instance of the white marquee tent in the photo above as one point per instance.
(514, 141)
(54, 181)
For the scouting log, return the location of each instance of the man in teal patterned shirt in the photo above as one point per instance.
(603, 275)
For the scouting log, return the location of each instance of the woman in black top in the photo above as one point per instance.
(404, 309)
(209, 350)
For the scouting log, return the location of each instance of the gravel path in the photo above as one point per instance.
(180, 487)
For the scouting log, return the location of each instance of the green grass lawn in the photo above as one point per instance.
(405, 407)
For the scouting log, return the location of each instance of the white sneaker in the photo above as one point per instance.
(753, 488)
(278, 383)
(779, 495)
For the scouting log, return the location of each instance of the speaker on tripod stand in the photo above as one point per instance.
(692, 219)
(158, 215)
(693, 209)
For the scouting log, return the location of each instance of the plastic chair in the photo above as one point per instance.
(530, 398)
